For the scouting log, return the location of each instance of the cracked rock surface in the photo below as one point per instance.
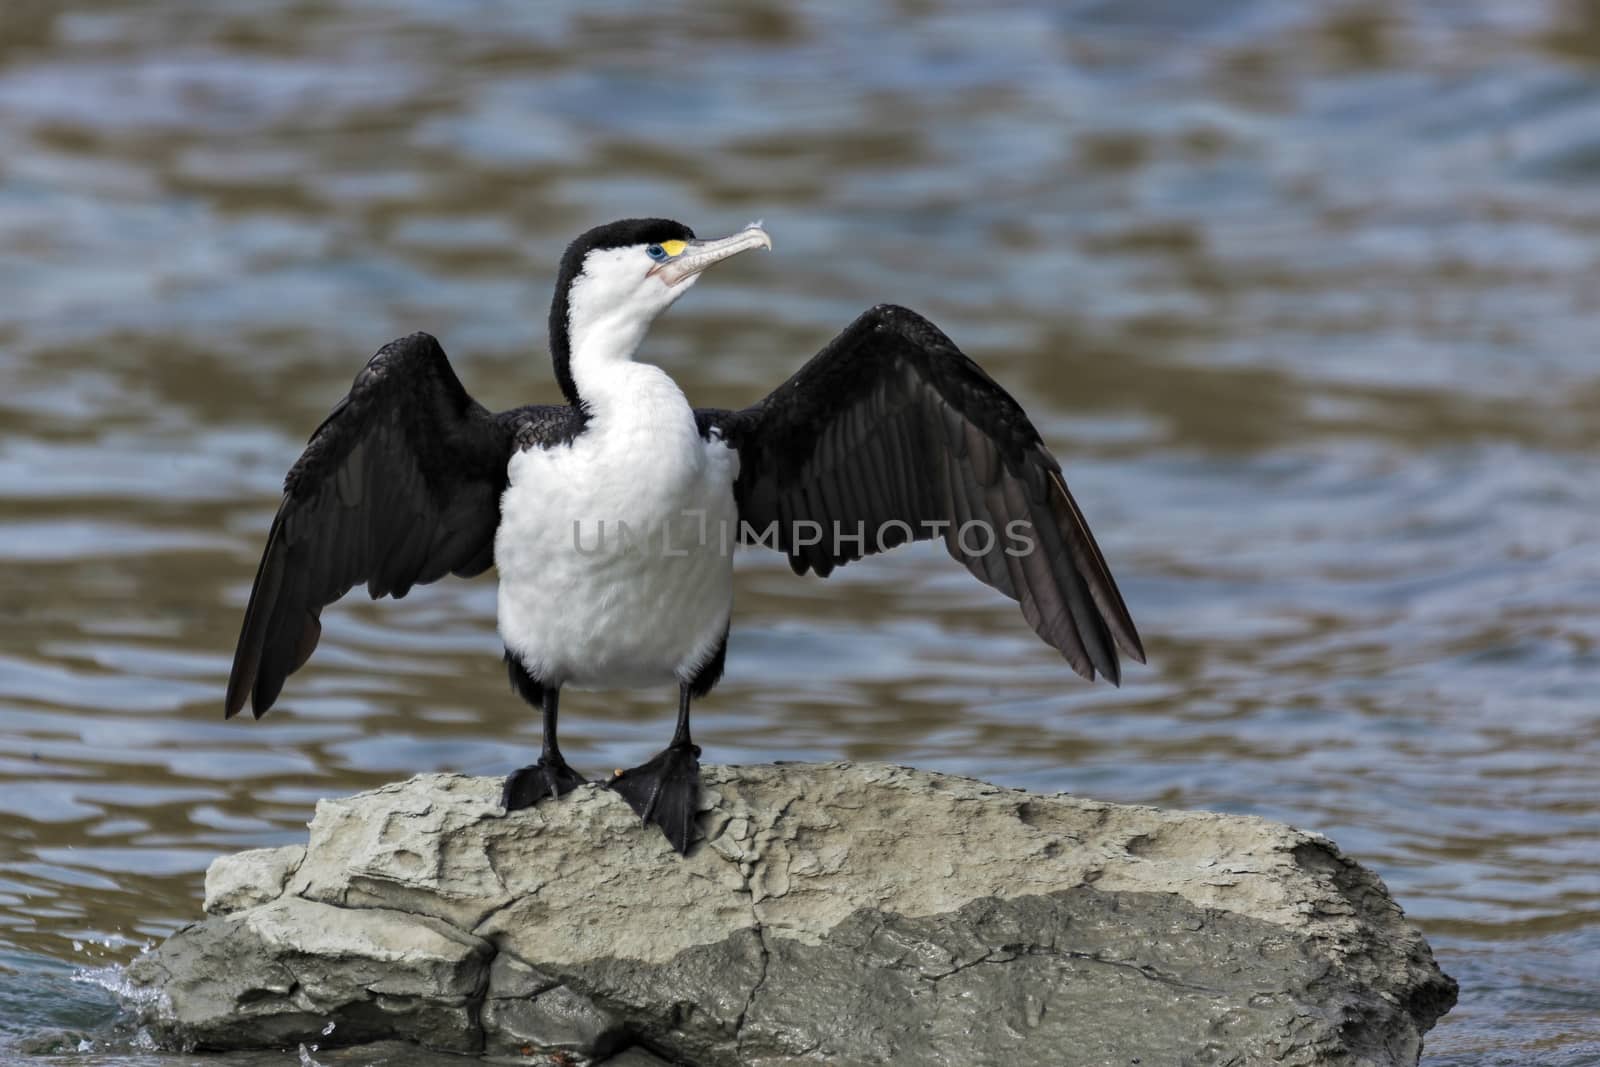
(835, 913)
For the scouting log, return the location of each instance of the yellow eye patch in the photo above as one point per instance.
(672, 248)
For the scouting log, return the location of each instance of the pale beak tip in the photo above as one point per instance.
(762, 237)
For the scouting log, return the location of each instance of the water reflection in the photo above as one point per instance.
(1300, 296)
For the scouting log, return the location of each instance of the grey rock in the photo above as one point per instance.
(278, 973)
(241, 881)
(636, 1057)
(557, 1019)
(841, 913)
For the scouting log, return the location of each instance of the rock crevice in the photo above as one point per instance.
(841, 913)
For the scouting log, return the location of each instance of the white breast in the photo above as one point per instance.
(615, 552)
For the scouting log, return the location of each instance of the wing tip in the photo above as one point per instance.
(242, 693)
(1126, 635)
(1096, 574)
(233, 699)
(1110, 670)
(245, 675)
(241, 679)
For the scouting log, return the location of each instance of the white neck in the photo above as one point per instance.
(619, 393)
(616, 391)
(601, 347)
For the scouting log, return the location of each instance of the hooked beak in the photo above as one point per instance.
(698, 255)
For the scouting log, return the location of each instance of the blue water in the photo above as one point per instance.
(1301, 295)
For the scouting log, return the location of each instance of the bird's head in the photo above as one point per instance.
(616, 278)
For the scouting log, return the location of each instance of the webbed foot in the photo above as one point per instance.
(665, 791)
(550, 778)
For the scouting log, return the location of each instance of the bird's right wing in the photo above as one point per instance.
(399, 486)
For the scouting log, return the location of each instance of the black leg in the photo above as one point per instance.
(666, 790)
(550, 777)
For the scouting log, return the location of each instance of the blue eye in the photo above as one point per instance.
(656, 252)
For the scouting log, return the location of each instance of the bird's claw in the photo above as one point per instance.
(665, 791)
(549, 778)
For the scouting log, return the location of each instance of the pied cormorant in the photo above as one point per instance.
(611, 518)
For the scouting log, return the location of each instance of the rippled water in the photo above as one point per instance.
(1304, 296)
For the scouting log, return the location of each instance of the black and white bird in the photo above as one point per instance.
(611, 517)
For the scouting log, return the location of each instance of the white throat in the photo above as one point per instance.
(602, 348)
(609, 311)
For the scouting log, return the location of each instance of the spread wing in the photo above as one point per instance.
(892, 432)
(399, 486)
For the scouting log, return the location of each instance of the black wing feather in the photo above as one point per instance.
(892, 422)
(399, 486)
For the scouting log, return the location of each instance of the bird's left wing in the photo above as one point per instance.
(890, 434)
